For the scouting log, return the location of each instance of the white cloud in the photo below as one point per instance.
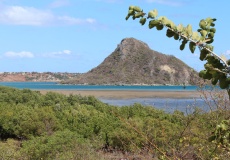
(18, 15)
(174, 3)
(58, 54)
(23, 54)
(64, 52)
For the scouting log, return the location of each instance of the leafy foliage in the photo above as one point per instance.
(55, 126)
(221, 134)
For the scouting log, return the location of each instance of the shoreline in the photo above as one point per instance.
(128, 94)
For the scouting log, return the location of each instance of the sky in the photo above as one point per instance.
(77, 35)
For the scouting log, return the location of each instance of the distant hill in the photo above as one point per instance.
(133, 62)
(36, 76)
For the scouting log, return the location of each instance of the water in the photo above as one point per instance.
(167, 104)
(55, 86)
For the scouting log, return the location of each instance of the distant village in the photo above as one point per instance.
(36, 76)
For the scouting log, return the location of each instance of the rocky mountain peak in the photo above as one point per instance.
(129, 45)
(133, 62)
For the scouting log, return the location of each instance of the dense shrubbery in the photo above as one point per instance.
(55, 126)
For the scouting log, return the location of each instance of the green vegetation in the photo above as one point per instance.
(55, 126)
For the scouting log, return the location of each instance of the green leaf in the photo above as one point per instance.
(131, 7)
(211, 35)
(210, 58)
(180, 28)
(213, 30)
(161, 18)
(131, 12)
(165, 21)
(153, 23)
(170, 24)
(223, 126)
(137, 9)
(192, 47)
(209, 20)
(139, 14)
(153, 14)
(182, 46)
(203, 33)
(170, 33)
(203, 54)
(208, 66)
(160, 26)
(223, 83)
(203, 24)
(214, 81)
(142, 21)
(202, 73)
(212, 24)
(196, 36)
(207, 75)
(184, 41)
(185, 33)
(176, 36)
(127, 17)
(210, 41)
(189, 30)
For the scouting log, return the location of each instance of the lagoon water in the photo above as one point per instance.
(53, 86)
(167, 104)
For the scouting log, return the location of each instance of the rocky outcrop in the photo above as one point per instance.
(133, 62)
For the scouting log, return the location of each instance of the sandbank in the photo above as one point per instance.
(126, 94)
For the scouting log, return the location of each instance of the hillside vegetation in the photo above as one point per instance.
(55, 126)
(133, 62)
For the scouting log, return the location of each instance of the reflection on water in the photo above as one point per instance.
(167, 104)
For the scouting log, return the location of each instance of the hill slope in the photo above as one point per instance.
(133, 62)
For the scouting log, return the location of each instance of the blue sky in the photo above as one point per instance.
(77, 35)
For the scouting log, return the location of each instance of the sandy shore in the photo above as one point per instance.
(121, 94)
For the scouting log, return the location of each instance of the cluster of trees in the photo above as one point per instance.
(56, 126)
